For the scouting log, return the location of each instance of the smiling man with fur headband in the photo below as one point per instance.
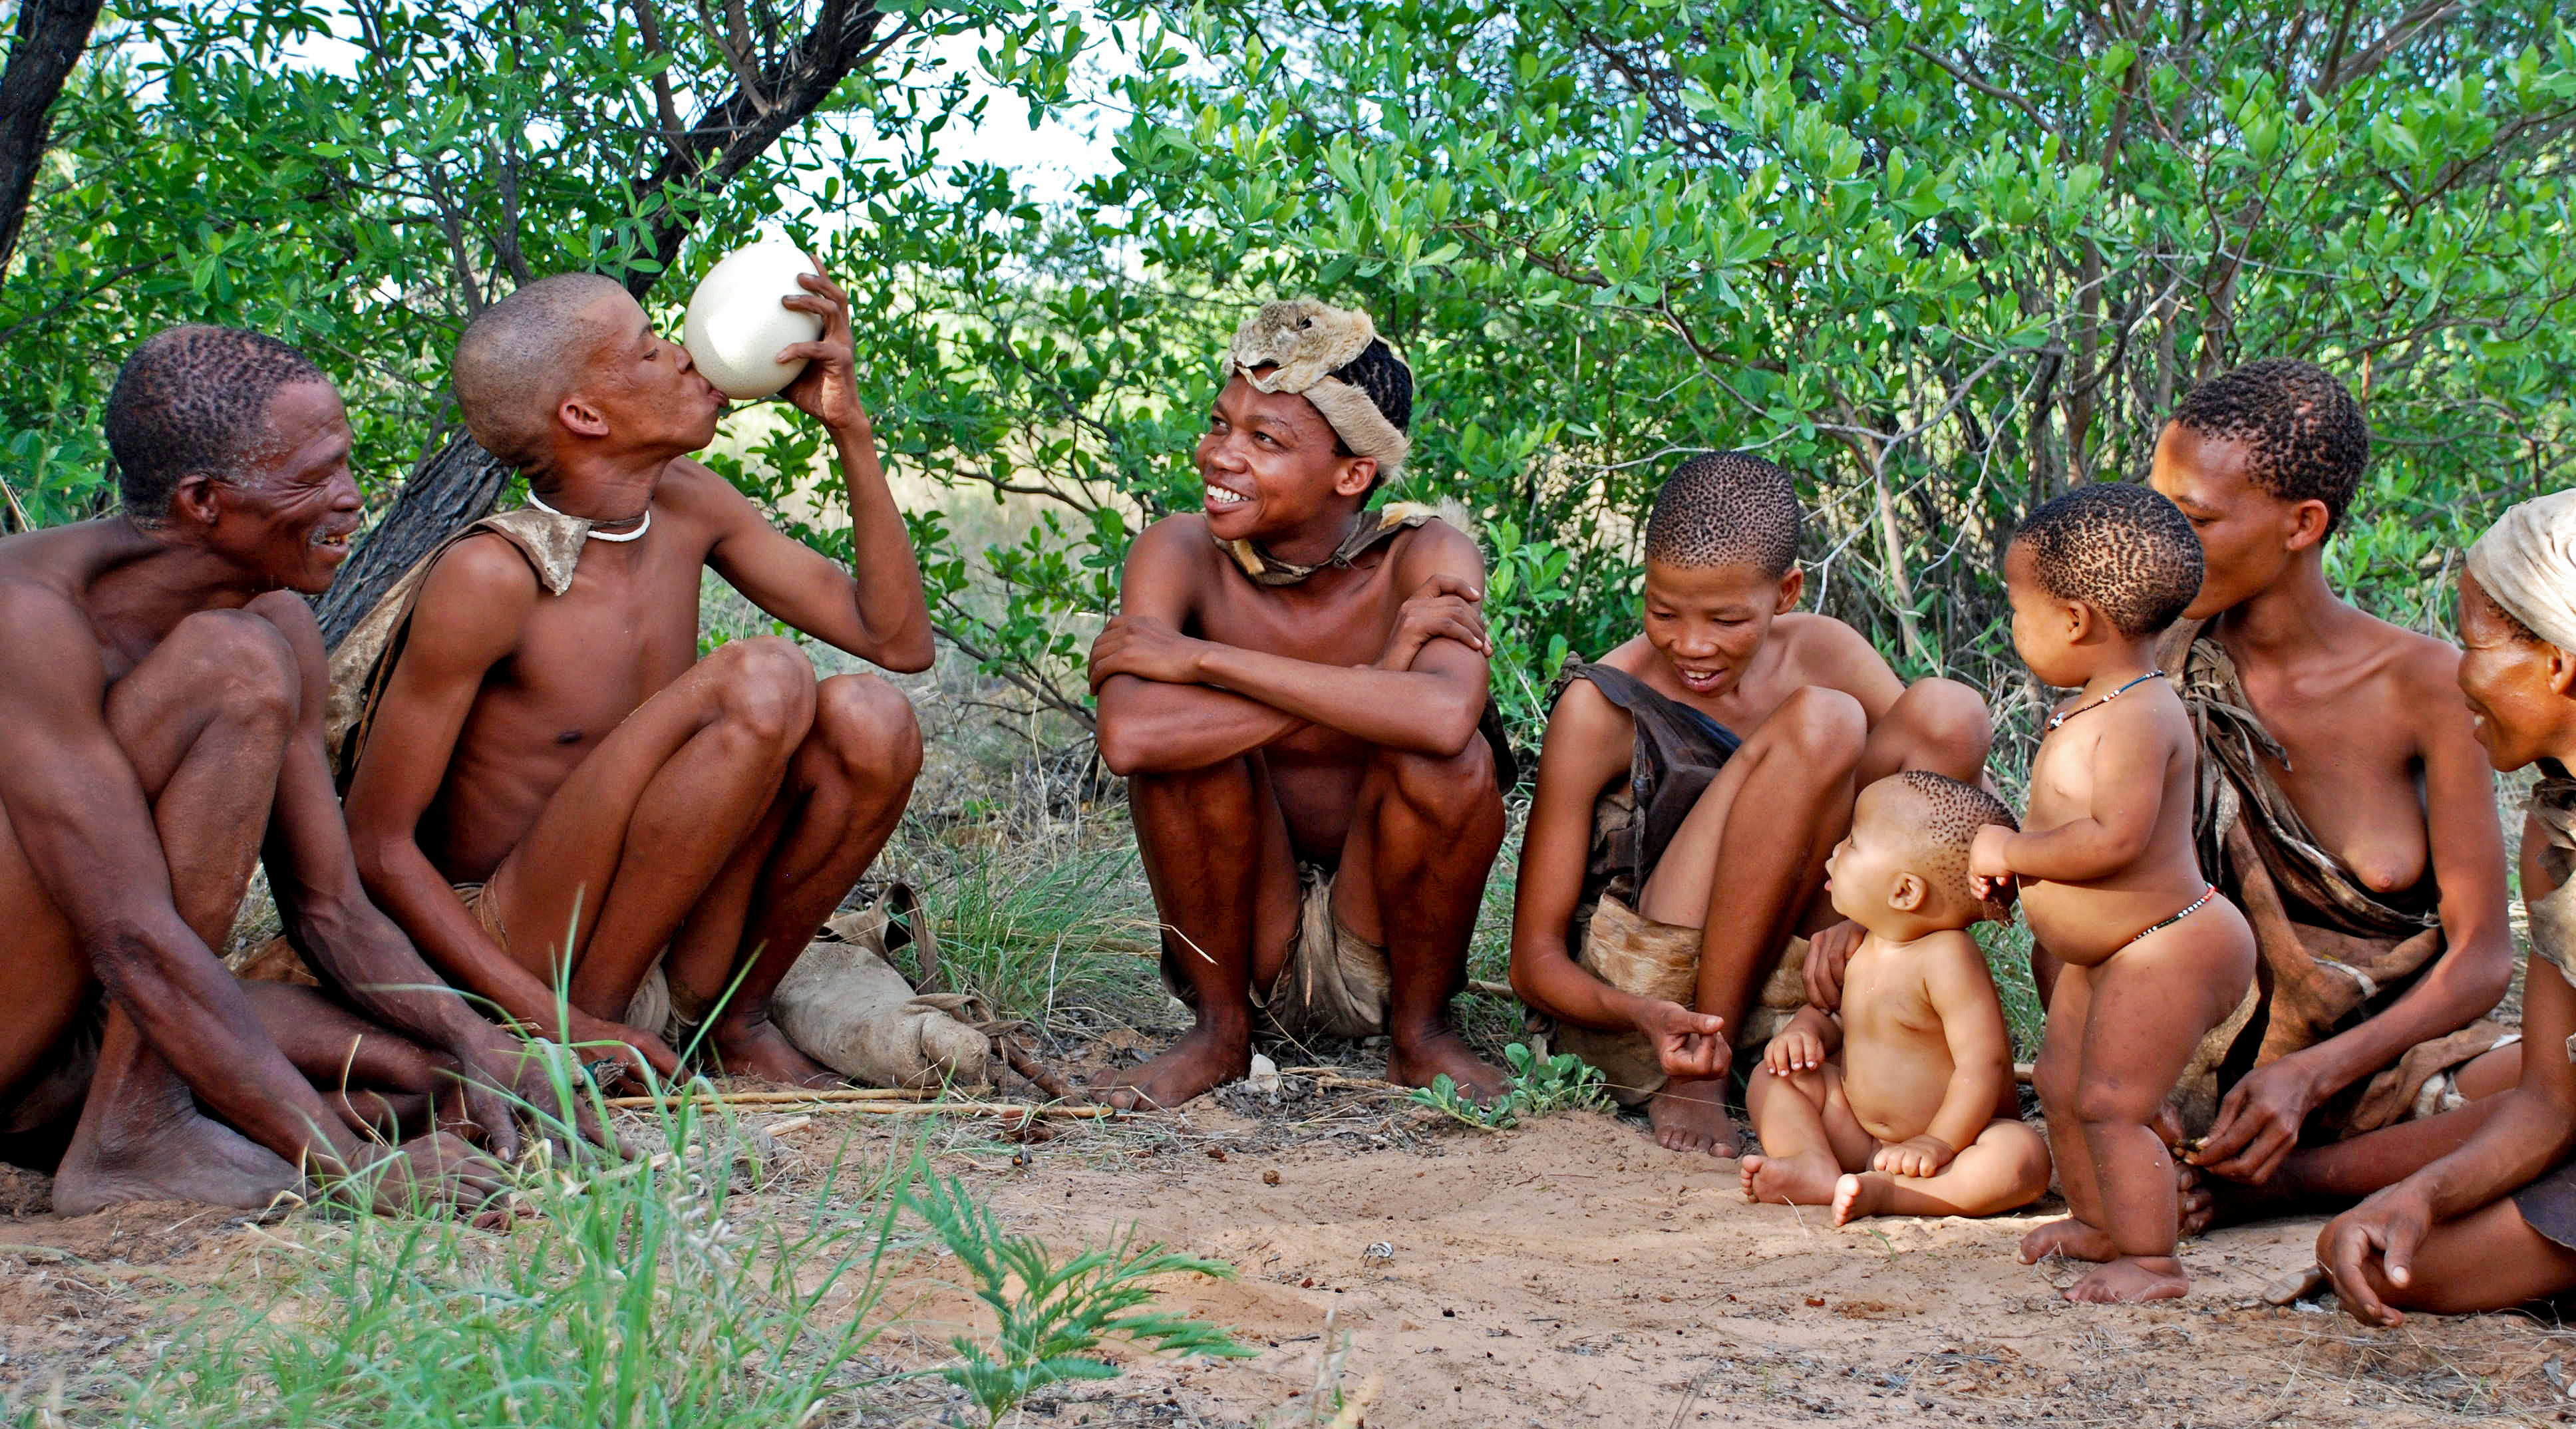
(1296, 689)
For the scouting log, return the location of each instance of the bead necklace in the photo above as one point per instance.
(2057, 719)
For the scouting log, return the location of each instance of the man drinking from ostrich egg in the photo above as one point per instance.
(545, 783)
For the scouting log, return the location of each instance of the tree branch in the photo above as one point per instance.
(51, 34)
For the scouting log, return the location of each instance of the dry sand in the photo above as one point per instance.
(1573, 1273)
(1569, 1273)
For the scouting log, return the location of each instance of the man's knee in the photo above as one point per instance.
(1446, 791)
(2110, 1101)
(1825, 728)
(765, 686)
(1214, 804)
(868, 729)
(239, 665)
(1950, 728)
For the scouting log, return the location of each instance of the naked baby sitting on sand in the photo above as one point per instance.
(1904, 1103)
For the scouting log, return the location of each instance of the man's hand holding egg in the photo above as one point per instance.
(766, 320)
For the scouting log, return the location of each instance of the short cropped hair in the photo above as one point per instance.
(1945, 816)
(1725, 508)
(2121, 548)
(517, 359)
(193, 398)
(2301, 427)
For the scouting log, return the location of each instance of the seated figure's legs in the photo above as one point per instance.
(1809, 1136)
(844, 792)
(205, 718)
(1412, 879)
(1224, 873)
(1746, 882)
(631, 841)
(1939, 725)
(2004, 1168)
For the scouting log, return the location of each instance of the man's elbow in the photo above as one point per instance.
(1453, 726)
(1121, 750)
(910, 653)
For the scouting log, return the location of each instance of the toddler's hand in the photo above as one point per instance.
(1796, 1049)
(1923, 1156)
(1988, 870)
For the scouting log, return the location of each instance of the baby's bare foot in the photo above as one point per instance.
(2131, 1280)
(1689, 1114)
(1859, 1195)
(1790, 1180)
(2068, 1237)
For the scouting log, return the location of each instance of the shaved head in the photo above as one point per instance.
(520, 358)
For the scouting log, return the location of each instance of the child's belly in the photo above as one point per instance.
(1895, 1085)
(2083, 923)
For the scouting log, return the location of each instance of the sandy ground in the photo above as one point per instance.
(1572, 1273)
(1399, 1271)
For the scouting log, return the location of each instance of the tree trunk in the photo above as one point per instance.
(460, 484)
(50, 37)
(451, 490)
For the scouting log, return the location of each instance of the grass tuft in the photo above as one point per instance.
(1052, 1317)
(1031, 940)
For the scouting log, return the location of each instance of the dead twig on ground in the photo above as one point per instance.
(834, 1094)
(1035, 1072)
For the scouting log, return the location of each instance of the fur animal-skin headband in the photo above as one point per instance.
(1304, 343)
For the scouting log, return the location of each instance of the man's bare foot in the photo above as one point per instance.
(2070, 1238)
(184, 1157)
(1689, 1114)
(1857, 1196)
(760, 1050)
(2131, 1280)
(1198, 1062)
(1789, 1180)
(1421, 1060)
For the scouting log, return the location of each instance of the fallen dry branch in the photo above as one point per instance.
(871, 1101)
(1035, 1072)
(836, 1094)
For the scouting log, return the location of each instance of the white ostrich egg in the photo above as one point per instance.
(735, 325)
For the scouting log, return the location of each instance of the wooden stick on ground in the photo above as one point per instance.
(834, 1094)
(1023, 1110)
(871, 1101)
(1038, 1074)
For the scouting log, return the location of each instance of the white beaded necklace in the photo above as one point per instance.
(595, 533)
